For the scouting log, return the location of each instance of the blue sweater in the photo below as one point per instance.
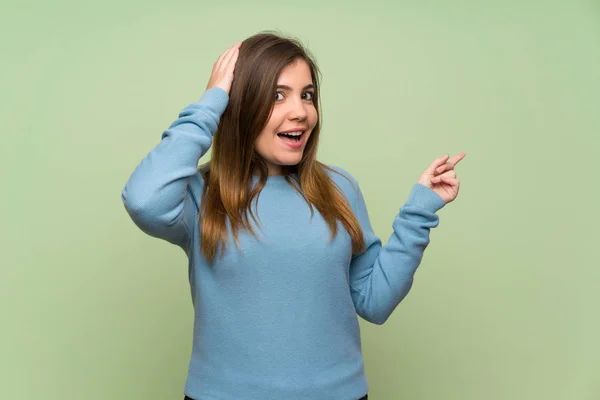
(277, 320)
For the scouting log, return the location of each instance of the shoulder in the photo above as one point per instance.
(343, 179)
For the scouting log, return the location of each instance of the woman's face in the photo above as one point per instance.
(294, 114)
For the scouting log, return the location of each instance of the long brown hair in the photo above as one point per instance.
(228, 191)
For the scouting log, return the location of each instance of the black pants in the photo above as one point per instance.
(365, 397)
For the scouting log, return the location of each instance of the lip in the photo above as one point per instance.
(300, 128)
(294, 145)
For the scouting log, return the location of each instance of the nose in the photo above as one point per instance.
(297, 110)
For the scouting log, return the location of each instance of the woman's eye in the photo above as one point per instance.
(308, 95)
(278, 96)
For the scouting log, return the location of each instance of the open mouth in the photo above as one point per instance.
(291, 136)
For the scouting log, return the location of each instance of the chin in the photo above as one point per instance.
(289, 161)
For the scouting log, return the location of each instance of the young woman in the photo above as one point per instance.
(282, 256)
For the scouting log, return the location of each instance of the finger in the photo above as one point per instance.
(219, 61)
(450, 164)
(447, 180)
(454, 160)
(443, 168)
(225, 63)
(436, 163)
(229, 63)
(448, 174)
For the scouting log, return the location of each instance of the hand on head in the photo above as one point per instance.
(223, 69)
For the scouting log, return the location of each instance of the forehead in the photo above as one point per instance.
(296, 73)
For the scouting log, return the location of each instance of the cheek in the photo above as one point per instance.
(262, 141)
(267, 134)
(275, 121)
(313, 118)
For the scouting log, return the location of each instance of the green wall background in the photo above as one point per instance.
(505, 303)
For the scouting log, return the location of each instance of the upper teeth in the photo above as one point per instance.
(298, 133)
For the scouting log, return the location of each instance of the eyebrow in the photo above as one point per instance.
(285, 87)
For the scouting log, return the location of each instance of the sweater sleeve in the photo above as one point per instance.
(156, 194)
(380, 277)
